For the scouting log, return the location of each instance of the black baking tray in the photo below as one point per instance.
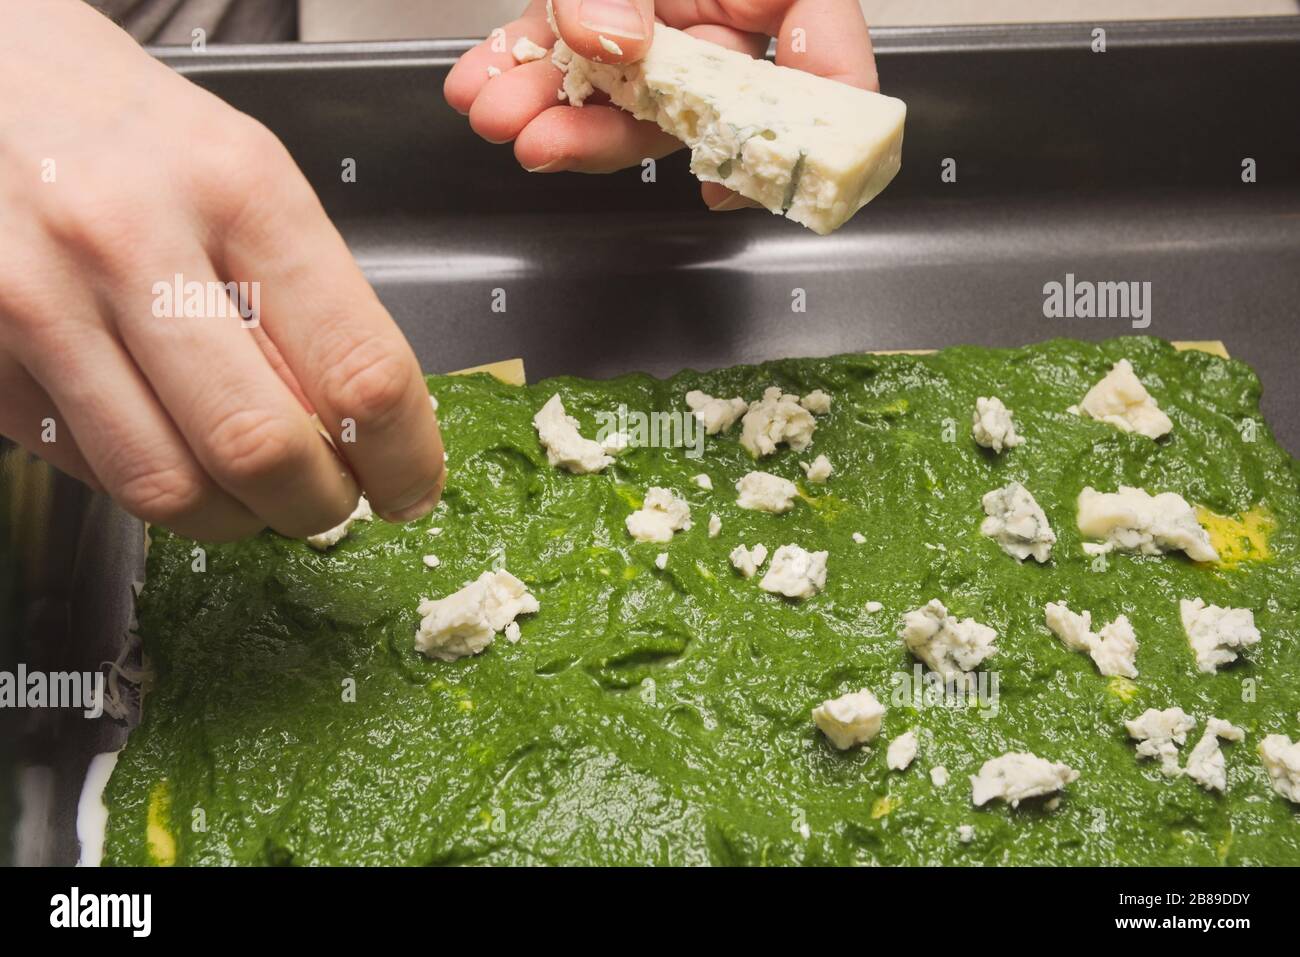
(1117, 166)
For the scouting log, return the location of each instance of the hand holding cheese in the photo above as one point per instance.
(845, 142)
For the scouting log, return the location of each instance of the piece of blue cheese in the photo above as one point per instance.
(803, 146)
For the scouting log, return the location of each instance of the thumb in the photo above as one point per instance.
(610, 31)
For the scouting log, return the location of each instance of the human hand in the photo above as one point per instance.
(116, 177)
(520, 104)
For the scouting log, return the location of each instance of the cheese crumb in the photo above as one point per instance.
(776, 418)
(747, 561)
(965, 833)
(817, 402)
(1018, 775)
(525, 50)
(565, 446)
(817, 472)
(795, 573)
(662, 514)
(1282, 762)
(850, 719)
(1121, 400)
(1114, 648)
(661, 561)
(874, 606)
(992, 425)
(466, 621)
(331, 537)
(716, 415)
(493, 72)
(434, 530)
(1205, 765)
(704, 482)
(1215, 633)
(859, 538)
(902, 751)
(432, 561)
(765, 492)
(1159, 734)
(950, 647)
(512, 632)
(715, 525)
(1017, 523)
(939, 776)
(1134, 521)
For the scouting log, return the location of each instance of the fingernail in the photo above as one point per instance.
(545, 168)
(420, 509)
(618, 17)
(734, 201)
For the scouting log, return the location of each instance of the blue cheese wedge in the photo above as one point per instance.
(1217, 634)
(1114, 648)
(953, 648)
(809, 148)
(1159, 734)
(1120, 399)
(1205, 765)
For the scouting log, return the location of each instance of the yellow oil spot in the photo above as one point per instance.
(1243, 538)
(629, 495)
(882, 806)
(1123, 688)
(1225, 845)
(465, 705)
(486, 818)
(630, 572)
(828, 507)
(158, 835)
(705, 571)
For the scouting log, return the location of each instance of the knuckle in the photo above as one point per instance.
(250, 445)
(368, 383)
(245, 174)
(99, 225)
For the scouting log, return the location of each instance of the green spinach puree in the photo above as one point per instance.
(653, 716)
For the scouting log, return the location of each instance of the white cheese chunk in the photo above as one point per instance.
(817, 402)
(1205, 765)
(992, 425)
(1018, 775)
(873, 607)
(1159, 735)
(859, 538)
(1114, 648)
(525, 50)
(565, 446)
(512, 632)
(902, 751)
(1017, 523)
(765, 492)
(466, 621)
(432, 561)
(950, 647)
(1134, 521)
(1216, 634)
(662, 514)
(965, 833)
(818, 471)
(493, 71)
(747, 561)
(1121, 400)
(811, 148)
(704, 482)
(331, 537)
(939, 776)
(661, 561)
(795, 573)
(716, 415)
(615, 442)
(715, 525)
(1282, 762)
(850, 719)
(776, 418)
